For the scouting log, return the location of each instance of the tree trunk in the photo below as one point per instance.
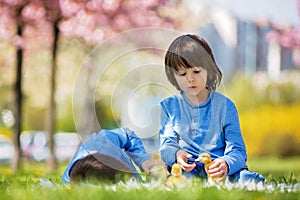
(52, 107)
(15, 164)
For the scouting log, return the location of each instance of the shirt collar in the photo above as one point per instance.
(198, 105)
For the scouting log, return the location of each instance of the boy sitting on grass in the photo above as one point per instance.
(107, 154)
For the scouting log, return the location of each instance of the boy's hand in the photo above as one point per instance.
(147, 165)
(182, 159)
(219, 169)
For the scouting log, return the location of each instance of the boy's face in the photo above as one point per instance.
(192, 81)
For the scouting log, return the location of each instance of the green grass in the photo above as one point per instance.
(36, 182)
(276, 169)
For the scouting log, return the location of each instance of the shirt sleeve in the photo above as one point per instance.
(235, 151)
(133, 146)
(168, 139)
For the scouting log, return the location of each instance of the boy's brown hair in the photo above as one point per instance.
(92, 167)
(188, 51)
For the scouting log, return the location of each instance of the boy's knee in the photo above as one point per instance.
(248, 176)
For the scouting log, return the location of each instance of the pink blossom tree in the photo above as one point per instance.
(19, 25)
(91, 20)
(13, 28)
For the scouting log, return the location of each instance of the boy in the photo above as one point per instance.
(199, 119)
(107, 153)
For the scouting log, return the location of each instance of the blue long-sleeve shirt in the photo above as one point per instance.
(121, 144)
(211, 127)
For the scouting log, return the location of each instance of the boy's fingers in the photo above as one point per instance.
(222, 178)
(214, 165)
(189, 156)
(187, 167)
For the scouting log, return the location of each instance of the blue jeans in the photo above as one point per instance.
(244, 175)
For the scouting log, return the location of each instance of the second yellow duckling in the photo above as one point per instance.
(176, 179)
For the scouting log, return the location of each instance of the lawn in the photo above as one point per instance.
(36, 182)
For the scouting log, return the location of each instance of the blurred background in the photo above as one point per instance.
(48, 47)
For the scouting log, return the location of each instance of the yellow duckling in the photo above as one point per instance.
(159, 171)
(176, 179)
(156, 158)
(206, 160)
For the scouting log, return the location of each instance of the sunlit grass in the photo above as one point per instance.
(31, 188)
(275, 167)
(36, 181)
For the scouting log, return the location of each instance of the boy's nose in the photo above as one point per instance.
(189, 77)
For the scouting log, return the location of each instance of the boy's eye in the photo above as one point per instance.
(181, 73)
(197, 71)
